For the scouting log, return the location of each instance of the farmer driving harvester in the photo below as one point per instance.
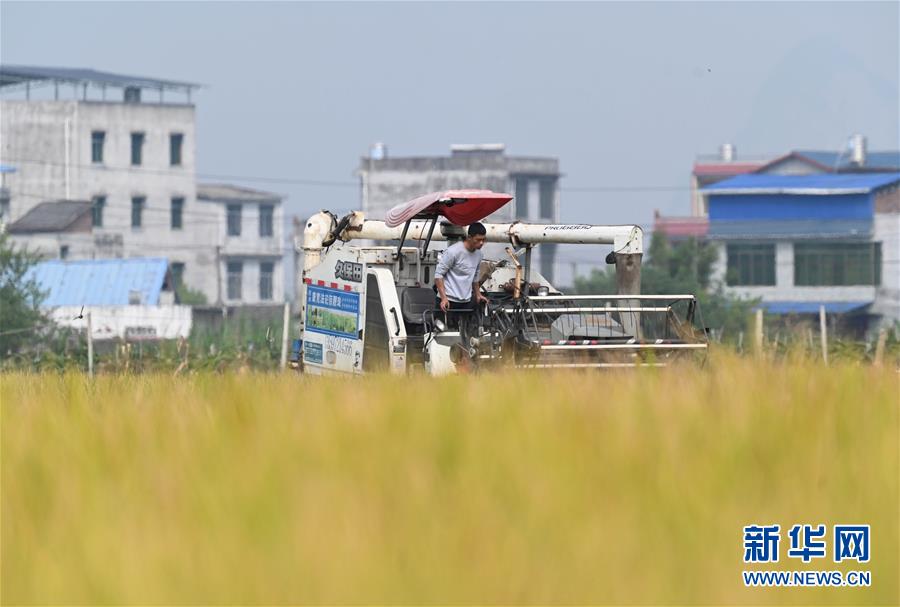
(456, 274)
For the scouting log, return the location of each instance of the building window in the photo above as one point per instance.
(177, 213)
(750, 265)
(137, 149)
(265, 219)
(64, 251)
(97, 211)
(837, 263)
(137, 211)
(177, 275)
(98, 138)
(266, 269)
(235, 279)
(175, 141)
(132, 94)
(234, 220)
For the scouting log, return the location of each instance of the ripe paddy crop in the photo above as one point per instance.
(526, 487)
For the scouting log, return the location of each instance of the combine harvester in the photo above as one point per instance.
(373, 308)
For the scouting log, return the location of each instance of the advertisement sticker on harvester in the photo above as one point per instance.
(332, 312)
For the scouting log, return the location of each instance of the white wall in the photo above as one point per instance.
(784, 289)
(887, 298)
(110, 322)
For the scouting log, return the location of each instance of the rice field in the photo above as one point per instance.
(613, 488)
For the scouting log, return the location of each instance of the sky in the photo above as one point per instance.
(624, 94)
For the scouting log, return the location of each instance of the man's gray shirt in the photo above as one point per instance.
(458, 267)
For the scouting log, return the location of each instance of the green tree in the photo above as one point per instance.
(675, 268)
(188, 296)
(20, 297)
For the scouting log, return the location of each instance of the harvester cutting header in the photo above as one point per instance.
(374, 307)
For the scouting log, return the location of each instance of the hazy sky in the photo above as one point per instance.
(624, 94)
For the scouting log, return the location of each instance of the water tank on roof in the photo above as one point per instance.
(858, 149)
(727, 152)
(378, 151)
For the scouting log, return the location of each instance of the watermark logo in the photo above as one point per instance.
(761, 543)
(851, 542)
(805, 543)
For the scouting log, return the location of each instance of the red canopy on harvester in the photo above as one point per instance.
(461, 207)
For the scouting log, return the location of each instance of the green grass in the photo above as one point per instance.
(498, 488)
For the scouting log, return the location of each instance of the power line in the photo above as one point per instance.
(325, 182)
(184, 173)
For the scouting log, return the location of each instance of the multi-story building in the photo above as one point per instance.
(799, 242)
(533, 181)
(249, 239)
(127, 145)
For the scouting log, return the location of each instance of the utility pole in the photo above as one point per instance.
(90, 340)
(218, 275)
(758, 332)
(285, 334)
(823, 333)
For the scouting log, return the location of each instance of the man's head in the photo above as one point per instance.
(477, 235)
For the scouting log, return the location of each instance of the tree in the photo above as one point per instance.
(683, 267)
(188, 296)
(20, 297)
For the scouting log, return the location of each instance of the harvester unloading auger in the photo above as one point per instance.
(372, 308)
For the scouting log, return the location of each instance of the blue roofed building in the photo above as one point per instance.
(127, 298)
(799, 242)
(105, 282)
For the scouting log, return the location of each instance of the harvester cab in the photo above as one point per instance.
(367, 307)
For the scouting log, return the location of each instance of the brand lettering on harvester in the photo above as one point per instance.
(348, 270)
(573, 227)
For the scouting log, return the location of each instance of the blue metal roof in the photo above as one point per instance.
(812, 307)
(844, 183)
(100, 282)
(7, 168)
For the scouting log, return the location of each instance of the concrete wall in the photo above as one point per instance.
(250, 280)
(49, 142)
(249, 248)
(81, 245)
(388, 182)
(388, 188)
(784, 288)
(887, 297)
(128, 322)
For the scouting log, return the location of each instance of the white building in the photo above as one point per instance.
(249, 239)
(130, 299)
(533, 182)
(127, 145)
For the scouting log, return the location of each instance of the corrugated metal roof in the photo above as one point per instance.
(812, 307)
(793, 229)
(50, 217)
(101, 282)
(16, 74)
(234, 193)
(846, 183)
